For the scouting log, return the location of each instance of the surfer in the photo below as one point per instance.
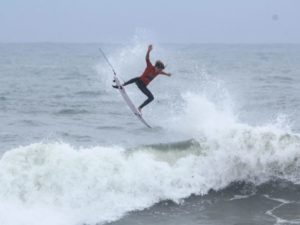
(148, 75)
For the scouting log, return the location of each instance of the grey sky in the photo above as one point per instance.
(189, 21)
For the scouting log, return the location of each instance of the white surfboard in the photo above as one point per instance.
(129, 102)
(124, 94)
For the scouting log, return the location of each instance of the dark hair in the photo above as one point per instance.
(159, 64)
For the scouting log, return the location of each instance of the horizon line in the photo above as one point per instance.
(164, 43)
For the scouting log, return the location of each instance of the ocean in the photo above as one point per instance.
(224, 148)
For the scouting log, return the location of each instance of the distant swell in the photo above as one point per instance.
(90, 93)
(72, 111)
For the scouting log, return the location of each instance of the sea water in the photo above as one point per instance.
(224, 147)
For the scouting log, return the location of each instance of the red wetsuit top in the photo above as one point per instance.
(149, 74)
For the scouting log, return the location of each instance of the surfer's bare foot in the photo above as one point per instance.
(140, 110)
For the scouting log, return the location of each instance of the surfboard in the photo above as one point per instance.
(124, 94)
(129, 102)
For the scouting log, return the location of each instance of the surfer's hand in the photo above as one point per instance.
(164, 73)
(150, 47)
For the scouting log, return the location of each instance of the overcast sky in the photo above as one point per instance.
(184, 21)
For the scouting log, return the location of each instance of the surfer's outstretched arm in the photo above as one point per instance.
(164, 73)
(148, 54)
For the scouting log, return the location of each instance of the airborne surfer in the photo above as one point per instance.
(148, 75)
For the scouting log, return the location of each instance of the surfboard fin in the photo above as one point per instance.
(117, 87)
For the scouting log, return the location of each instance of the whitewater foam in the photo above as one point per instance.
(100, 184)
(104, 183)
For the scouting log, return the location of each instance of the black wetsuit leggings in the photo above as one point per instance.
(143, 88)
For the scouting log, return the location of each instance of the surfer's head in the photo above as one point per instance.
(159, 65)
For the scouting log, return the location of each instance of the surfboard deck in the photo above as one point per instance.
(129, 102)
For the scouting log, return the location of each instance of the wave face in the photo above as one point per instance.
(67, 185)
